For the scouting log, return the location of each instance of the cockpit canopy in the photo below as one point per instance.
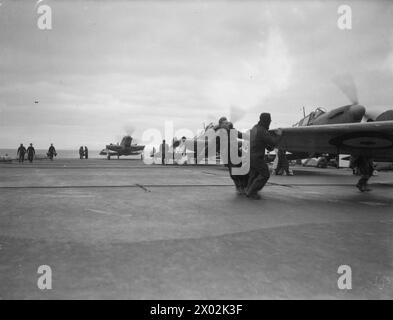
(309, 118)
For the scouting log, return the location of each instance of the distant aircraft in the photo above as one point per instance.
(206, 139)
(177, 152)
(126, 148)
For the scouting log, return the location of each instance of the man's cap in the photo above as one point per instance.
(264, 117)
(222, 119)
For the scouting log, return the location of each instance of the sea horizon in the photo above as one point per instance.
(61, 153)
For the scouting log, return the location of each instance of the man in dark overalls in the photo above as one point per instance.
(30, 153)
(365, 166)
(51, 152)
(21, 153)
(240, 180)
(282, 163)
(260, 139)
(81, 152)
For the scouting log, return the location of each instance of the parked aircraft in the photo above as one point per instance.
(350, 129)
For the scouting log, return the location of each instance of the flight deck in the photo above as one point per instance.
(122, 229)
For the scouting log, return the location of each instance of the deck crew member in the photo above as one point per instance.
(21, 153)
(81, 152)
(282, 164)
(240, 181)
(365, 166)
(30, 153)
(260, 139)
(51, 151)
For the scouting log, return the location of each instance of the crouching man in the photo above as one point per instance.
(260, 139)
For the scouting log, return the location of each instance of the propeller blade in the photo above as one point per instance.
(211, 117)
(236, 113)
(348, 87)
(129, 129)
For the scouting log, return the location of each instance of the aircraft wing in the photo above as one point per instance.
(372, 138)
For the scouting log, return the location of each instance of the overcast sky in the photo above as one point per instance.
(110, 65)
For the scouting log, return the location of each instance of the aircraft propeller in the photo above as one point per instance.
(347, 85)
(129, 129)
(236, 113)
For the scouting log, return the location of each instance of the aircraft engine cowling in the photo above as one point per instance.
(126, 141)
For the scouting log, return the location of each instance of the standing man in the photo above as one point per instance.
(86, 153)
(240, 181)
(282, 163)
(21, 153)
(260, 139)
(30, 153)
(52, 151)
(81, 152)
(164, 149)
(365, 166)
